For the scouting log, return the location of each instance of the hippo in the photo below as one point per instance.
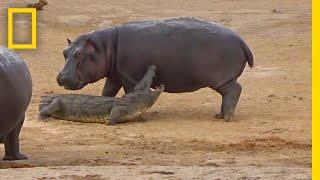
(15, 96)
(189, 53)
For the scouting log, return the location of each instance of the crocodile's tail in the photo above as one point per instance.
(247, 53)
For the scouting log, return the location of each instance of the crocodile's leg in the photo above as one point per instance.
(147, 79)
(53, 107)
(120, 114)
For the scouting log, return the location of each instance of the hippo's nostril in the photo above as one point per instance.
(60, 79)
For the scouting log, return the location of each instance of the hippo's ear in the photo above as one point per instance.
(90, 44)
(69, 41)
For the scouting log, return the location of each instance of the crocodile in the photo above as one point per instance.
(101, 109)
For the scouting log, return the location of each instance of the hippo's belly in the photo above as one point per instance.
(189, 54)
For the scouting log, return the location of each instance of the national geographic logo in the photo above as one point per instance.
(33, 13)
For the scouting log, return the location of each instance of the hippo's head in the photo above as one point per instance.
(85, 63)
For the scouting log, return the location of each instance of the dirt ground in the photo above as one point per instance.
(272, 127)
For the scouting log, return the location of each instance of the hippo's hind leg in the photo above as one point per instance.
(11, 144)
(230, 96)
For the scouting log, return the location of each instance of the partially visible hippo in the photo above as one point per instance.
(15, 96)
(189, 53)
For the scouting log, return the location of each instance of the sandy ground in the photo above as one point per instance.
(272, 127)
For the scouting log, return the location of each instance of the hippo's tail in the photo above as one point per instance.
(247, 53)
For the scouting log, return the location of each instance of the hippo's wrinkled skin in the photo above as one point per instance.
(15, 96)
(190, 54)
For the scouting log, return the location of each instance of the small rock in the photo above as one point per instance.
(212, 163)
(276, 11)
(271, 95)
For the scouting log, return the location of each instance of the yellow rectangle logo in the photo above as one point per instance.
(33, 12)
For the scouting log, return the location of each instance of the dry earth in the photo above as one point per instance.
(271, 134)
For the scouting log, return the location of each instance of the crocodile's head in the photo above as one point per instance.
(154, 94)
(157, 91)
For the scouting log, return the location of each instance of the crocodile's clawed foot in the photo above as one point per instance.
(141, 119)
(43, 118)
(111, 123)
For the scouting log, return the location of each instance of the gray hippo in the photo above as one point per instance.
(15, 96)
(189, 53)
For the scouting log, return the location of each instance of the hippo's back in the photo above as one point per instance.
(15, 89)
(173, 23)
(189, 53)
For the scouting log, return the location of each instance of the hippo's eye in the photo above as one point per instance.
(77, 54)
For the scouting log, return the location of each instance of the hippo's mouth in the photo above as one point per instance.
(79, 86)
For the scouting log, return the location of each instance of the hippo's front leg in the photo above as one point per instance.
(11, 144)
(111, 88)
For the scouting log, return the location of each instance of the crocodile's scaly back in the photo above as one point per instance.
(83, 108)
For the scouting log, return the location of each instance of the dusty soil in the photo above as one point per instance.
(155, 172)
(272, 127)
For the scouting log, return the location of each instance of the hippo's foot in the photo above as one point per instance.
(13, 157)
(227, 117)
(219, 116)
(230, 95)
